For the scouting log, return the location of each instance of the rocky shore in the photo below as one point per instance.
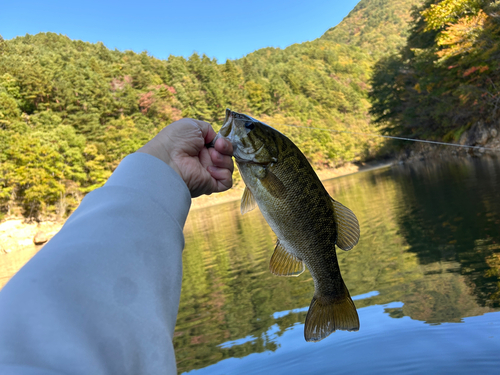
(16, 234)
(484, 140)
(20, 240)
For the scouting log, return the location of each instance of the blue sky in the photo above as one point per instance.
(218, 28)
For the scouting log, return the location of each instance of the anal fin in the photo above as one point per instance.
(284, 263)
(347, 226)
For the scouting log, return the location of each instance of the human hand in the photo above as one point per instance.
(182, 146)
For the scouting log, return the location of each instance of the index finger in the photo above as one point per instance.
(207, 131)
(223, 146)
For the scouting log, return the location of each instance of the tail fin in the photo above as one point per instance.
(327, 314)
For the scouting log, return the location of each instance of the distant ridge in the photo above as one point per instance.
(380, 23)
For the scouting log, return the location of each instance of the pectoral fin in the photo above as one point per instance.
(248, 202)
(273, 184)
(284, 263)
(347, 226)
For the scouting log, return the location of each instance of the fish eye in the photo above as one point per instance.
(249, 125)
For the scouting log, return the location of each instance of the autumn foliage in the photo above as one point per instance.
(70, 110)
(447, 77)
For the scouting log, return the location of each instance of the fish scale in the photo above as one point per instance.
(306, 220)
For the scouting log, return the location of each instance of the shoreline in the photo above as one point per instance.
(17, 236)
(236, 192)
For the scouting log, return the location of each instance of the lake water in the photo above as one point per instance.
(425, 278)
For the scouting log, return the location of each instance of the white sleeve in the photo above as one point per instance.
(102, 296)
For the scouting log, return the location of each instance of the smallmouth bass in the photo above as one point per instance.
(306, 220)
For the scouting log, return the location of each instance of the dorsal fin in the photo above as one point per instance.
(347, 226)
(248, 202)
(284, 263)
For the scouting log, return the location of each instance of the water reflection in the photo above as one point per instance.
(386, 345)
(428, 254)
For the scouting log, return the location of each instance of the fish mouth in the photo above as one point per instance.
(228, 114)
(241, 154)
(224, 131)
(238, 153)
(237, 116)
(227, 127)
(246, 161)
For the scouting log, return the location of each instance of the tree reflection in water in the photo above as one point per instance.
(430, 238)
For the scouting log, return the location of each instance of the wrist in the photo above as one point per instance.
(160, 152)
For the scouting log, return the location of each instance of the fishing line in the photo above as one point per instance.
(398, 138)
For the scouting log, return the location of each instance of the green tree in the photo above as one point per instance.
(445, 79)
(84, 107)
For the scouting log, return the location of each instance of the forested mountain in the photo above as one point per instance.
(376, 26)
(71, 110)
(446, 79)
